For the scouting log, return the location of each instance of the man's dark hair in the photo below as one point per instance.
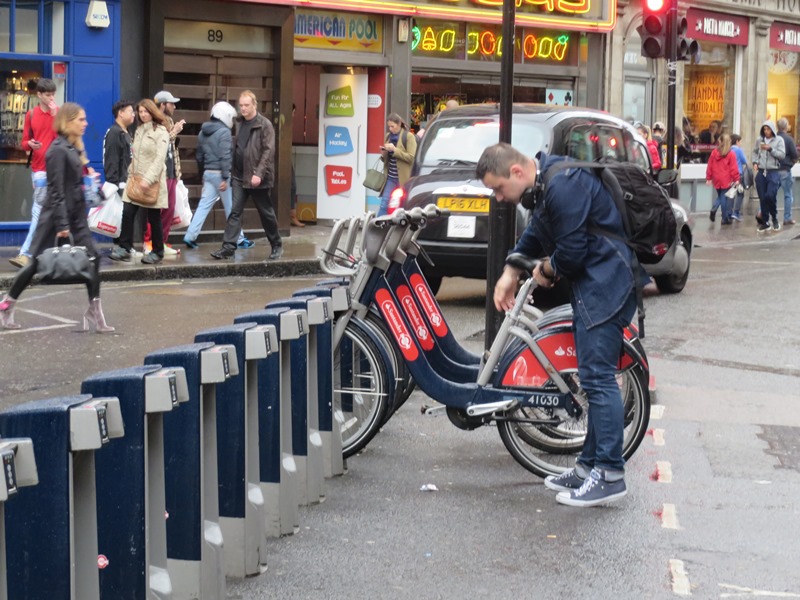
(120, 105)
(735, 138)
(498, 160)
(45, 86)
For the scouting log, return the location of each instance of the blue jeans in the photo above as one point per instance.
(598, 351)
(722, 200)
(39, 179)
(211, 183)
(787, 182)
(391, 185)
(767, 185)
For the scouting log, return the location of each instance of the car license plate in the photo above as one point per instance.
(472, 205)
(460, 227)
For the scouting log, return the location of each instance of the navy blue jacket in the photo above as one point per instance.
(787, 162)
(214, 147)
(598, 267)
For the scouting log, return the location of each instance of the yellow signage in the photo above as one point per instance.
(338, 31)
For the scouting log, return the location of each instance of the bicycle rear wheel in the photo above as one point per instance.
(552, 449)
(405, 383)
(363, 386)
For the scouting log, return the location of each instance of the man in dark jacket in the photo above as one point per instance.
(786, 164)
(117, 144)
(603, 299)
(253, 177)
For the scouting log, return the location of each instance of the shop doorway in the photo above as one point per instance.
(200, 81)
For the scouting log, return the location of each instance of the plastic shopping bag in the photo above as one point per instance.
(106, 219)
(183, 214)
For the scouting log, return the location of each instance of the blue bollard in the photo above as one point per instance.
(329, 422)
(130, 477)
(278, 467)
(52, 536)
(241, 503)
(19, 470)
(306, 436)
(194, 539)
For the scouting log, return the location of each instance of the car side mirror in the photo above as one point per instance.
(667, 176)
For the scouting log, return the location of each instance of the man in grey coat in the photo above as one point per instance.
(253, 176)
(766, 159)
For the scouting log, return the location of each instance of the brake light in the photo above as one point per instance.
(397, 199)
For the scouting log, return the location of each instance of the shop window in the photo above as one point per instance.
(26, 34)
(5, 27)
(708, 94)
(32, 21)
(783, 84)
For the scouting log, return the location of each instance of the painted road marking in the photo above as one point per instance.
(669, 517)
(658, 437)
(47, 316)
(663, 472)
(657, 411)
(745, 591)
(30, 329)
(680, 579)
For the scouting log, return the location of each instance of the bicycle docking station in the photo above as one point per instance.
(330, 421)
(52, 536)
(19, 470)
(306, 400)
(278, 467)
(131, 473)
(241, 502)
(194, 538)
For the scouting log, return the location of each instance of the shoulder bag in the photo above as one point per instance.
(65, 264)
(136, 193)
(375, 177)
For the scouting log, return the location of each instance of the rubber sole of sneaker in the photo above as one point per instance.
(566, 499)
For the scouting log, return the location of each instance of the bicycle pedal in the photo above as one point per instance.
(432, 410)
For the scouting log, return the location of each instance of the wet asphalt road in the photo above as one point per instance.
(713, 505)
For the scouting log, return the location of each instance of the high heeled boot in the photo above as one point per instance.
(94, 316)
(7, 314)
(295, 221)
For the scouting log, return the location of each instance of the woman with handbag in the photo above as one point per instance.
(397, 153)
(723, 173)
(147, 182)
(63, 216)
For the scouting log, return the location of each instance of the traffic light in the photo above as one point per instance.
(653, 29)
(686, 47)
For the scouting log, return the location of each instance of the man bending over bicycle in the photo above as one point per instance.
(598, 268)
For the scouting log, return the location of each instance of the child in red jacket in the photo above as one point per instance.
(722, 172)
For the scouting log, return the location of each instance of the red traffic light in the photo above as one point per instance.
(656, 5)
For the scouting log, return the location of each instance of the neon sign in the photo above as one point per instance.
(476, 42)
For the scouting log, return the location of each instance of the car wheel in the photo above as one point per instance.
(673, 283)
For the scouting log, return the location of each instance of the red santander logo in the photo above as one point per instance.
(429, 305)
(410, 308)
(395, 322)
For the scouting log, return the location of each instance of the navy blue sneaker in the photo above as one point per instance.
(245, 243)
(566, 482)
(594, 492)
(190, 243)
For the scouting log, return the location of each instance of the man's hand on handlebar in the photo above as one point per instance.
(542, 274)
(505, 290)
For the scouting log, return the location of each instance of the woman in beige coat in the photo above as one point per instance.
(149, 150)
(397, 152)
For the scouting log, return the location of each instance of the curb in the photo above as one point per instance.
(280, 268)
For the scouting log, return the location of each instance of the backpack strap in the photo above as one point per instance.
(29, 119)
(620, 197)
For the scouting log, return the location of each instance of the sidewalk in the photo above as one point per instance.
(301, 257)
(303, 248)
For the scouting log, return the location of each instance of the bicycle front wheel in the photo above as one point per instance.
(363, 386)
(552, 449)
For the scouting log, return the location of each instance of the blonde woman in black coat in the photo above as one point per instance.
(63, 214)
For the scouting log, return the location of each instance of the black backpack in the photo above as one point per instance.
(646, 210)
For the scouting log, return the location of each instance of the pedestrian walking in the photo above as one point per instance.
(150, 145)
(397, 152)
(766, 158)
(253, 177)
(722, 172)
(652, 145)
(659, 131)
(37, 135)
(787, 162)
(603, 299)
(214, 157)
(117, 144)
(63, 215)
(166, 102)
(745, 176)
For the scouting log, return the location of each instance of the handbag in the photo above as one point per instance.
(731, 193)
(183, 213)
(106, 219)
(65, 264)
(135, 192)
(375, 177)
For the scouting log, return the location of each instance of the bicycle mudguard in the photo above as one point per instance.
(520, 368)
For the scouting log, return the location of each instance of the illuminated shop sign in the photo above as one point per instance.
(577, 15)
(784, 36)
(472, 41)
(338, 31)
